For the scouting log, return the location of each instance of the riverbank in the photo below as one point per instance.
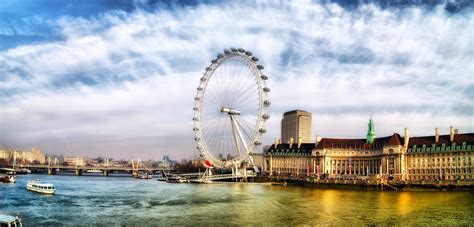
(371, 184)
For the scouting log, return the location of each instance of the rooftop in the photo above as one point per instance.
(378, 143)
(295, 111)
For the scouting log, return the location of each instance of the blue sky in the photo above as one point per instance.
(117, 78)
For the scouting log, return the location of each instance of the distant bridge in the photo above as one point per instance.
(52, 169)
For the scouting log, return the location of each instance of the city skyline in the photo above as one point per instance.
(119, 79)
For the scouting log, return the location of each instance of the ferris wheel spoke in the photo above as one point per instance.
(233, 78)
(238, 86)
(244, 87)
(246, 92)
(246, 100)
(212, 99)
(246, 125)
(237, 98)
(247, 103)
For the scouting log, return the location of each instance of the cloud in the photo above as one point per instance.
(122, 83)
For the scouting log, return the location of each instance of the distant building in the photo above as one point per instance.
(74, 161)
(35, 155)
(55, 159)
(296, 125)
(438, 157)
(6, 154)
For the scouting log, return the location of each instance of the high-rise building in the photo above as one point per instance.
(296, 124)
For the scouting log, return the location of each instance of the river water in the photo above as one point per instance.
(96, 200)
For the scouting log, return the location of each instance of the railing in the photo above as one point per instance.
(227, 176)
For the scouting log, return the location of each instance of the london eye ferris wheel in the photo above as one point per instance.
(230, 109)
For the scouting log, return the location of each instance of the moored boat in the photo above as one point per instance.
(177, 179)
(145, 176)
(94, 171)
(7, 175)
(7, 178)
(10, 221)
(40, 187)
(161, 178)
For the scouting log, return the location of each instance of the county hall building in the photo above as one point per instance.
(437, 157)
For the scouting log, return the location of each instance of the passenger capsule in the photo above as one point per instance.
(267, 103)
(265, 89)
(262, 130)
(241, 50)
(220, 55)
(195, 108)
(258, 143)
(248, 53)
(266, 116)
(214, 61)
(195, 129)
(254, 59)
(197, 98)
(233, 49)
(264, 77)
(199, 88)
(226, 51)
(203, 78)
(195, 119)
(260, 67)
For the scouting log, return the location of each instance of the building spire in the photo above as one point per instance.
(371, 131)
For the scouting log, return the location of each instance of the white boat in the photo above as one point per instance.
(38, 186)
(177, 179)
(202, 181)
(94, 171)
(145, 176)
(10, 221)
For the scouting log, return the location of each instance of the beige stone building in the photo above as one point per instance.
(31, 156)
(74, 161)
(446, 157)
(23, 156)
(6, 154)
(37, 155)
(429, 158)
(296, 124)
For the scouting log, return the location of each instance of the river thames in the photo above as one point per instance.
(96, 200)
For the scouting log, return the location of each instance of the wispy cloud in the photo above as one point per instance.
(123, 83)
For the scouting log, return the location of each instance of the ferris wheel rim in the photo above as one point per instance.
(252, 62)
